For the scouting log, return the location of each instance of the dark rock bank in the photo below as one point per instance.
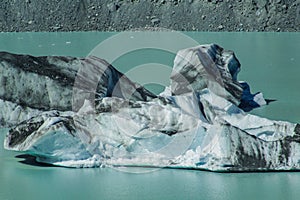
(189, 15)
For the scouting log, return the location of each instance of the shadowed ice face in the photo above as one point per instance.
(231, 63)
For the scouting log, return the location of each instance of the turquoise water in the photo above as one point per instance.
(270, 63)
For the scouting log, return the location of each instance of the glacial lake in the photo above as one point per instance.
(270, 64)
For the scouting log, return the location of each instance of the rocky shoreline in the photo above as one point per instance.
(120, 15)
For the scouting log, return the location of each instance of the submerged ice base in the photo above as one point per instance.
(199, 122)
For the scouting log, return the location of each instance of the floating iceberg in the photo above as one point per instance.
(87, 114)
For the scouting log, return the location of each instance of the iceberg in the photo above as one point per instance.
(101, 118)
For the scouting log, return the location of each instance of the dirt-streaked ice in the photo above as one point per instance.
(199, 122)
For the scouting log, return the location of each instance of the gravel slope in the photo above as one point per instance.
(187, 15)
